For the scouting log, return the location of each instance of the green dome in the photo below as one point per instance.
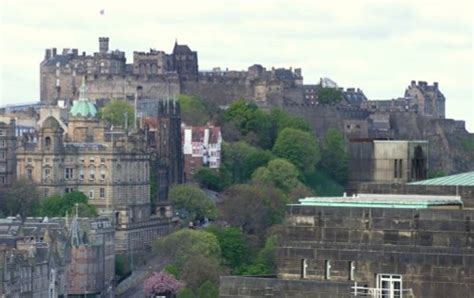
(83, 107)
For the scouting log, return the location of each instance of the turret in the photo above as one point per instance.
(103, 45)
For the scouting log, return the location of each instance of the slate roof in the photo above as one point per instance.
(463, 179)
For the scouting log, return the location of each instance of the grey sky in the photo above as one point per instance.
(377, 45)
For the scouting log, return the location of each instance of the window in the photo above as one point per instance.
(400, 168)
(69, 173)
(47, 141)
(304, 265)
(351, 270)
(102, 192)
(28, 159)
(47, 173)
(91, 173)
(102, 173)
(395, 168)
(390, 285)
(92, 160)
(102, 160)
(68, 189)
(2, 155)
(327, 271)
(81, 173)
(29, 173)
(2, 179)
(2, 132)
(91, 193)
(2, 143)
(81, 159)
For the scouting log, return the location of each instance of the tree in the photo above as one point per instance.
(185, 244)
(253, 207)
(57, 205)
(186, 293)
(299, 147)
(118, 112)
(328, 95)
(265, 262)
(334, 159)
(250, 120)
(193, 110)
(239, 161)
(208, 178)
(233, 243)
(192, 200)
(161, 283)
(20, 198)
(208, 290)
(200, 269)
(281, 120)
(280, 173)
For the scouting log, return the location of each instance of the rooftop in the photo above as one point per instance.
(463, 179)
(384, 201)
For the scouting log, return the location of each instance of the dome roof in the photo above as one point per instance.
(83, 107)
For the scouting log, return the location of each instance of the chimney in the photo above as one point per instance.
(103, 45)
(47, 54)
(435, 84)
(54, 52)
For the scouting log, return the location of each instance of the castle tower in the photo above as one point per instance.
(103, 45)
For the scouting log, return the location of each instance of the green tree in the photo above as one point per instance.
(253, 207)
(334, 159)
(201, 269)
(329, 95)
(280, 173)
(193, 110)
(20, 198)
(281, 120)
(57, 205)
(186, 293)
(193, 200)
(252, 122)
(208, 178)
(186, 244)
(265, 262)
(299, 147)
(233, 244)
(116, 112)
(208, 290)
(239, 161)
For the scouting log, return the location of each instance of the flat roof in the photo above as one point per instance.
(463, 179)
(383, 201)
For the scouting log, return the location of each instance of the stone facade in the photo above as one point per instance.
(7, 153)
(423, 252)
(430, 100)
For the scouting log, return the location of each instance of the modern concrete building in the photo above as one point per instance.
(387, 161)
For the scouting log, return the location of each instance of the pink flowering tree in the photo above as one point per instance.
(162, 283)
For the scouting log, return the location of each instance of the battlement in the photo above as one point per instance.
(424, 85)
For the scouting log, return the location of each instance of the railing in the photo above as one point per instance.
(362, 291)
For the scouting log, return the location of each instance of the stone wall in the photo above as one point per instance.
(249, 287)
(431, 248)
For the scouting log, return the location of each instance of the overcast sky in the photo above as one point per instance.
(378, 46)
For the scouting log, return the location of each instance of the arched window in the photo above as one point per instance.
(47, 142)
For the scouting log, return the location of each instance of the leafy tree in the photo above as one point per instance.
(185, 244)
(239, 161)
(265, 262)
(200, 269)
(301, 191)
(436, 174)
(328, 95)
(253, 208)
(334, 159)
(20, 198)
(233, 244)
(281, 120)
(57, 205)
(172, 269)
(299, 147)
(161, 283)
(208, 178)
(280, 173)
(121, 265)
(252, 122)
(193, 110)
(193, 200)
(324, 185)
(116, 112)
(208, 290)
(186, 293)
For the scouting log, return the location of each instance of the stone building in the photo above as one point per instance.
(430, 100)
(201, 147)
(372, 245)
(387, 161)
(7, 153)
(110, 166)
